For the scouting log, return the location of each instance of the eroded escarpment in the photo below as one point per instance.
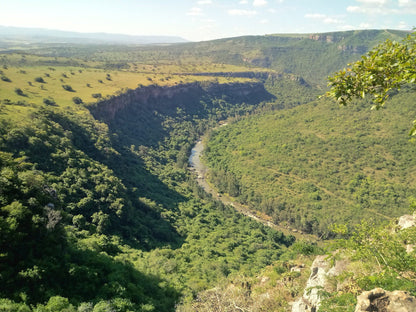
(166, 99)
(139, 117)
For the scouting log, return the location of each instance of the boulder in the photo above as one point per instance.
(407, 221)
(385, 301)
(311, 299)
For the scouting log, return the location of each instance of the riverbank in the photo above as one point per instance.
(198, 168)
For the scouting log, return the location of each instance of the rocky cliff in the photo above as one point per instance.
(385, 301)
(138, 117)
(185, 96)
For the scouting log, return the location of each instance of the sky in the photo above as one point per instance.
(198, 20)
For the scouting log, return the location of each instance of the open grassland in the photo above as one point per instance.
(28, 82)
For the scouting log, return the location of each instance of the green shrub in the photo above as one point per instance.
(19, 91)
(68, 88)
(4, 78)
(49, 101)
(77, 100)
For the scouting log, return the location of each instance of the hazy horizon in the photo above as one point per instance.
(199, 20)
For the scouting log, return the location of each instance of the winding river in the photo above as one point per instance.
(200, 171)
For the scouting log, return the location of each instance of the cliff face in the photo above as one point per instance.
(139, 116)
(325, 38)
(166, 99)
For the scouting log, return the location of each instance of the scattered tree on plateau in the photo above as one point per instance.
(388, 66)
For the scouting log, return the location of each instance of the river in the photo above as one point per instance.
(200, 171)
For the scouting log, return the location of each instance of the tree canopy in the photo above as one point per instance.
(388, 66)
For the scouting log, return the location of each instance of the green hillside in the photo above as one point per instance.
(311, 56)
(98, 210)
(317, 164)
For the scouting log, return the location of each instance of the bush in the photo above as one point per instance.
(49, 101)
(96, 95)
(68, 88)
(77, 100)
(4, 78)
(39, 79)
(19, 91)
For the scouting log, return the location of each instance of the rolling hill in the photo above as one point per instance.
(98, 211)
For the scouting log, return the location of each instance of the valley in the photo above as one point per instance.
(200, 172)
(100, 212)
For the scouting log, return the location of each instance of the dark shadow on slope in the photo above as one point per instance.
(140, 223)
(42, 257)
(137, 117)
(82, 276)
(104, 201)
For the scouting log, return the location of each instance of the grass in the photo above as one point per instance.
(59, 83)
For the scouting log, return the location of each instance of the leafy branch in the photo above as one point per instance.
(388, 66)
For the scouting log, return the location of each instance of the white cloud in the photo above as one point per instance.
(323, 18)
(195, 12)
(383, 7)
(264, 21)
(347, 27)
(374, 2)
(272, 11)
(331, 20)
(372, 10)
(403, 25)
(258, 3)
(354, 9)
(406, 3)
(243, 1)
(364, 25)
(202, 2)
(315, 16)
(238, 12)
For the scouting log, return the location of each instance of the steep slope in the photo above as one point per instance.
(104, 221)
(97, 208)
(317, 164)
(311, 56)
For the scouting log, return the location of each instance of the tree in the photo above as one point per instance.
(388, 66)
(40, 80)
(77, 100)
(19, 91)
(68, 88)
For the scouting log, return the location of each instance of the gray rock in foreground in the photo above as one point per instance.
(385, 301)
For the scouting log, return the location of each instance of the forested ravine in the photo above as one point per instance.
(200, 170)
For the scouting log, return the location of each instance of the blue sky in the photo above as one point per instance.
(198, 20)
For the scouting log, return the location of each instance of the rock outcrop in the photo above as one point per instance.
(385, 301)
(317, 282)
(310, 300)
(407, 221)
(166, 99)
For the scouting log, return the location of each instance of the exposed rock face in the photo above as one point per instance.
(354, 49)
(166, 98)
(310, 300)
(325, 38)
(385, 301)
(317, 282)
(407, 221)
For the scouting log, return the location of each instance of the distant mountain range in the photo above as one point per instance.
(12, 35)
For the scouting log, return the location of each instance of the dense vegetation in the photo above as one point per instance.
(98, 211)
(317, 164)
(102, 217)
(387, 67)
